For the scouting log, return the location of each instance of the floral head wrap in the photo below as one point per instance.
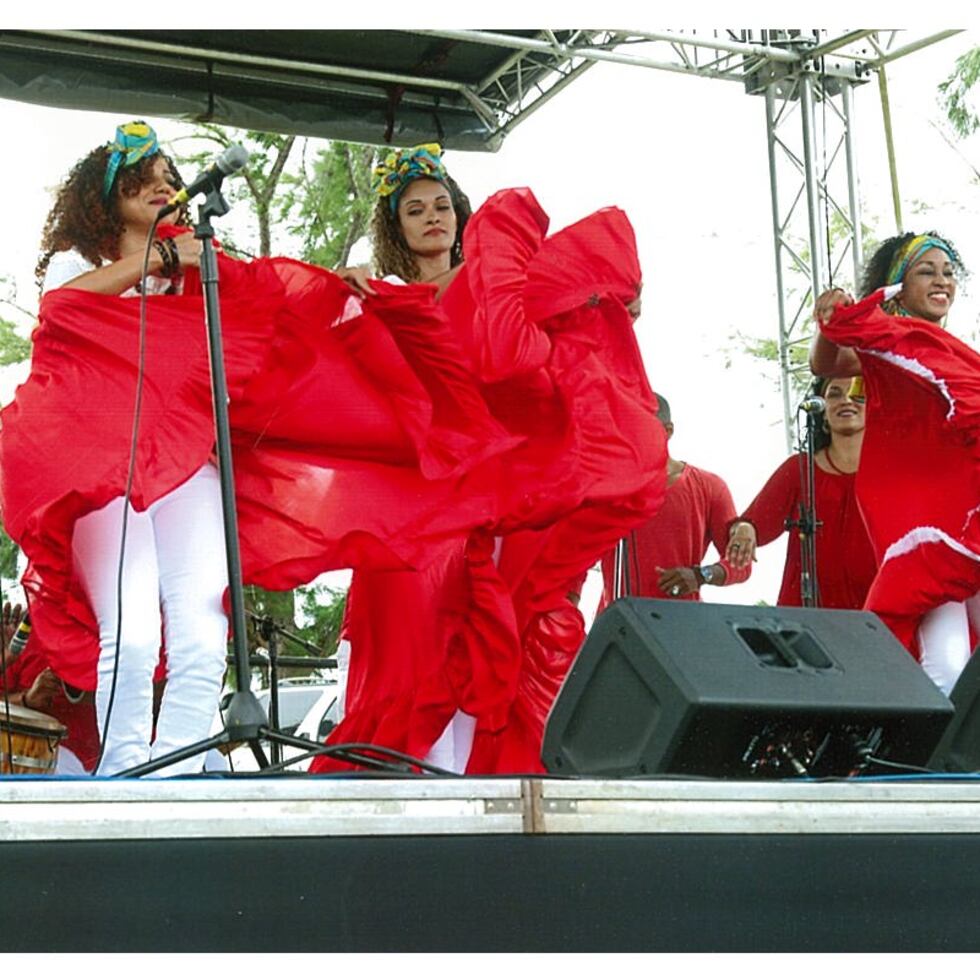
(399, 169)
(134, 141)
(910, 251)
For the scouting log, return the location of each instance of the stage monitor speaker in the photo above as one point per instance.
(740, 691)
(959, 748)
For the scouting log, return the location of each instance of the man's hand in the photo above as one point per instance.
(11, 620)
(42, 692)
(676, 582)
(741, 544)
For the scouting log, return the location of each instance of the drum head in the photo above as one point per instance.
(28, 720)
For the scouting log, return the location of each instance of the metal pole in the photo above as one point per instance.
(619, 561)
(778, 246)
(886, 116)
(818, 275)
(853, 196)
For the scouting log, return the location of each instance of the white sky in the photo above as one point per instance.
(686, 159)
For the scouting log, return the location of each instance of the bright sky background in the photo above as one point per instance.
(686, 158)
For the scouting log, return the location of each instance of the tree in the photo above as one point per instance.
(332, 200)
(766, 349)
(955, 90)
(268, 154)
(323, 607)
(14, 349)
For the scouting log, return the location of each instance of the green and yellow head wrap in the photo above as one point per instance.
(910, 251)
(399, 169)
(134, 141)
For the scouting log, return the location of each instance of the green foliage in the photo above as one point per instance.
(8, 556)
(329, 203)
(259, 180)
(326, 203)
(323, 607)
(954, 92)
(320, 606)
(13, 347)
(766, 349)
(279, 606)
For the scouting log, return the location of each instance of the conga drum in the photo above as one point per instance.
(28, 740)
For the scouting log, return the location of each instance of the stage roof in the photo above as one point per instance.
(398, 87)
(465, 88)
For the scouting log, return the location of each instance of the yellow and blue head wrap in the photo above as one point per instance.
(134, 142)
(910, 251)
(399, 169)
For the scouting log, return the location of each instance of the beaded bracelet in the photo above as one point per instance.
(165, 257)
(171, 246)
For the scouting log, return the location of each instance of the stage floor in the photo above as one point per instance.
(542, 864)
(50, 809)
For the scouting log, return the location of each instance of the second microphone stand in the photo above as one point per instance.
(807, 524)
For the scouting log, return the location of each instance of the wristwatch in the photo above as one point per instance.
(706, 573)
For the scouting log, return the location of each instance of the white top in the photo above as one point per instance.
(65, 266)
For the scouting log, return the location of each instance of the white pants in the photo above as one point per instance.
(453, 747)
(450, 751)
(174, 577)
(944, 640)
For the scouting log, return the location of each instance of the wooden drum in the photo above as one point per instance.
(28, 740)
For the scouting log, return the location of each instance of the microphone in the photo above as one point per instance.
(814, 404)
(19, 640)
(234, 158)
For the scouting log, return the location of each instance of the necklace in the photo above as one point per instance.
(834, 466)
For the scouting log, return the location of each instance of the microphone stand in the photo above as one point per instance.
(808, 524)
(622, 580)
(270, 631)
(244, 718)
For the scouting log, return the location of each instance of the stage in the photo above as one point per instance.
(542, 864)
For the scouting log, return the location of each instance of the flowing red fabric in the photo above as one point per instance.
(351, 432)
(919, 480)
(543, 325)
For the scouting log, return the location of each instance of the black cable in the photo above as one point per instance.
(9, 735)
(354, 752)
(137, 409)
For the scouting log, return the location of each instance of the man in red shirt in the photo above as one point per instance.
(664, 556)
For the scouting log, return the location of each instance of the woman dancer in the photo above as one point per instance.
(363, 470)
(918, 483)
(174, 566)
(845, 560)
(471, 653)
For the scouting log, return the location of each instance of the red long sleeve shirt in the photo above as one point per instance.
(696, 512)
(845, 560)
